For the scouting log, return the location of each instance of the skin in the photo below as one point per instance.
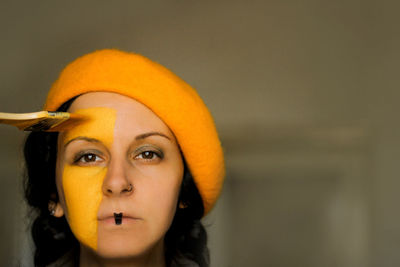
(122, 144)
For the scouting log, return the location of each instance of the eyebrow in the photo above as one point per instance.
(145, 135)
(137, 138)
(91, 140)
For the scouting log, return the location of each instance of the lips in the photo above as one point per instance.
(110, 216)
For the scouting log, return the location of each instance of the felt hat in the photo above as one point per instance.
(168, 96)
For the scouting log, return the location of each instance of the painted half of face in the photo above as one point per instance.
(82, 186)
(123, 144)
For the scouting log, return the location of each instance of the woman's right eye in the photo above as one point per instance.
(87, 158)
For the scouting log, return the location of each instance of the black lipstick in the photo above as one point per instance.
(118, 218)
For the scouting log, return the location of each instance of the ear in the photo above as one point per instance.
(56, 209)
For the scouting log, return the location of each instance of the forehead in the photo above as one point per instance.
(110, 100)
(131, 116)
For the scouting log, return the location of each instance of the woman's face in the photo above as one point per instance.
(123, 144)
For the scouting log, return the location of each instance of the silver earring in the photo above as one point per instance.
(52, 208)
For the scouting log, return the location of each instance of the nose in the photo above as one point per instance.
(117, 183)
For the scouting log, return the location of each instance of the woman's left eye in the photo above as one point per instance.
(148, 155)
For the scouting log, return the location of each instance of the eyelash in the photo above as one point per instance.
(146, 153)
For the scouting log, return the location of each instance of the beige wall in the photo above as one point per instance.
(304, 94)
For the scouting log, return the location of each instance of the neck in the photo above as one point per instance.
(154, 258)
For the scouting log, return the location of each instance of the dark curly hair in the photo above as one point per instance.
(185, 241)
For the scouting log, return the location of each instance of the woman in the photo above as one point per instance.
(128, 185)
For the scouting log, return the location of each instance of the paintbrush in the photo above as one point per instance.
(41, 121)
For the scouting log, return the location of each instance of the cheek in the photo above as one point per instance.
(83, 194)
(162, 194)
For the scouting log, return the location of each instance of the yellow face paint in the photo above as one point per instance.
(83, 184)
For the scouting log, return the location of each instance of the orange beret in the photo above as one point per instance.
(168, 96)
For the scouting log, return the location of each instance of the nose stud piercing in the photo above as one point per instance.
(118, 218)
(130, 188)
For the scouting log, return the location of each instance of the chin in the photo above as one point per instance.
(119, 252)
(123, 248)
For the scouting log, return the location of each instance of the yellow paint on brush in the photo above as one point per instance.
(83, 184)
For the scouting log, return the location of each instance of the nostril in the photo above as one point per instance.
(118, 189)
(128, 189)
